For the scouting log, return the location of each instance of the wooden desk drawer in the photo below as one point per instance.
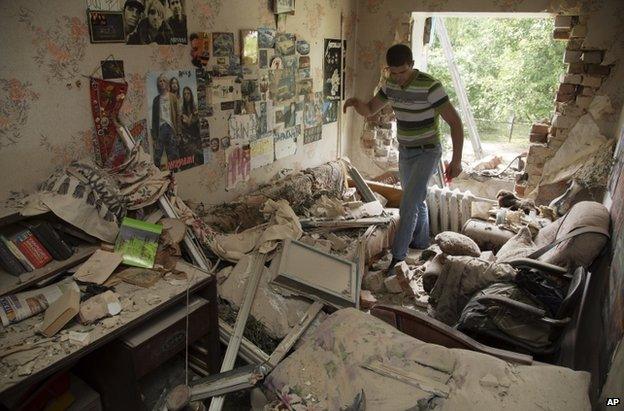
(162, 337)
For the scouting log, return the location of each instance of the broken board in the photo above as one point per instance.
(318, 275)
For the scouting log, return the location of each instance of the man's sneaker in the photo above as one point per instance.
(393, 262)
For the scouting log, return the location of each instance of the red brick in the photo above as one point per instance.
(567, 88)
(563, 21)
(574, 44)
(561, 34)
(576, 68)
(563, 97)
(580, 30)
(592, 56)
(540, 128)
(592, 81)
(597, 69)
(538, 138)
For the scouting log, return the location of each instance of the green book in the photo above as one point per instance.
(137, 242)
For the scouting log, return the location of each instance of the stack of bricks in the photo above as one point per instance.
(584, 76)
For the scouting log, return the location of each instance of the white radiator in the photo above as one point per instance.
(450, 209)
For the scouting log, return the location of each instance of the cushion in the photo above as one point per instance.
(582, 249)
(461, 277)
(453, 243)
(518, 246)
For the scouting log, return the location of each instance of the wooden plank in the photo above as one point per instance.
(338, 224)
(231, 352)
(10, 284)
(248, 351)
(364, 190)
(287, 343)
(419, 381)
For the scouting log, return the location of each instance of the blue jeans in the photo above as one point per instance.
(416, 166)
(166, 141)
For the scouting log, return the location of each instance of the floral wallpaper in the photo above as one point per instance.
(15, 103)
(59, 49)
(47, 57)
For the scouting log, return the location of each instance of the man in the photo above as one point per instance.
(417, 99)
(133, 9)
(165, 122)
(153, 28)
(177, 22)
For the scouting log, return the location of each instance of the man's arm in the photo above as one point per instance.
(449, 114)
(364, 109)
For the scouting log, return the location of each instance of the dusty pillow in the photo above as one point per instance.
(582, 249)
(518, 246)
(453, 243)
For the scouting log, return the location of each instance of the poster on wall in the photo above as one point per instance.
(312, 134)
(106, 26)
(285, 44)
(262, 152)
(222, 44)
(330, 111)
(266, 38)
(138, 22)
(224, 89)
(238, 164)
(332, 59)
(173, 117)
(282, 84)
(286, 142)
(201, 47)
(106, 100)
(243, 129)
(312, 115)
(284, 6)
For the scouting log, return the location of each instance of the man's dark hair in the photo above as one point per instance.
(398, 55)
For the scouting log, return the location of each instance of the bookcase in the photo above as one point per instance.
(12, 224)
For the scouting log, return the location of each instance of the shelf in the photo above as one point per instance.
(10, 284)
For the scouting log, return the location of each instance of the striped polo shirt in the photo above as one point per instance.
(415, 108)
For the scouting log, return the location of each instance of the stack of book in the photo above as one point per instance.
(34, 246)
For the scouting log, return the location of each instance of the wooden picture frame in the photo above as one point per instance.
(315, 274)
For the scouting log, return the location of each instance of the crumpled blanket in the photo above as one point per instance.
(283, 223)
(461, 277)
(96, 199)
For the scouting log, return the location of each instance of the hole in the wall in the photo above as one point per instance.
(510, 68)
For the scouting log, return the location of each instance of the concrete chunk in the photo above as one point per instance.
(393, 285)
(367, 300)
(373, 281)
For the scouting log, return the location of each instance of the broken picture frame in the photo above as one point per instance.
(318, 275)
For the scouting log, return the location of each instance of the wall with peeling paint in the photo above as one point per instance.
(45, 115)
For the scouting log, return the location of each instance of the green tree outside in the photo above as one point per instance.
(508, 65)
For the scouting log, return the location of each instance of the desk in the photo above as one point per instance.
(58, 353)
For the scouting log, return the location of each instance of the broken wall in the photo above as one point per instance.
(45, 115)
(381, 23)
